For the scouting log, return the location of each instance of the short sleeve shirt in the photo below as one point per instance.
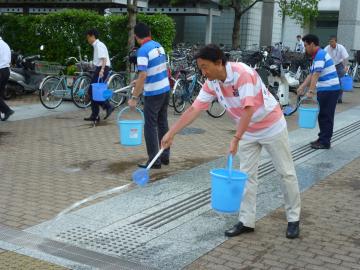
(328, 79)
(100, 51)
(243, 87)
(151, 58)
(338, 54)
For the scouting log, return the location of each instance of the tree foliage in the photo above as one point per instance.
(61, 33)
(300, 10)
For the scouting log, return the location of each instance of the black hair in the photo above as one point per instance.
(333, 37)
(309, 38)
(92, 32)
(298, 36)
(141, 30)
(212, 53)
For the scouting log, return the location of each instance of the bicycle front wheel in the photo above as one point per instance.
(116, 82)
(80, 92)
(52, 92)
(178, 96)
(216, 110)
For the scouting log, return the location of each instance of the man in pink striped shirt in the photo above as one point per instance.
(259, 123)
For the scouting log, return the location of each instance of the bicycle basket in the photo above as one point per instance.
(50, 68)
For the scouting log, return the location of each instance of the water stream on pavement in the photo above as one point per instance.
(86, 200)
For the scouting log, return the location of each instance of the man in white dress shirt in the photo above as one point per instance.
(5, 59)
(299, 46)
(340, 57)
(102, 64)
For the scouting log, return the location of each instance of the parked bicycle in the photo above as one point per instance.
(354, 69)
(55, 88)
(186, 88)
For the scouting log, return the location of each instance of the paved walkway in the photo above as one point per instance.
(329, 238)
(50, 162)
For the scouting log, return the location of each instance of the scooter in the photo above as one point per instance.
(282, 82)
(23, 77)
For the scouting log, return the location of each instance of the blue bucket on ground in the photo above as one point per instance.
(227, 188)
(99, 91)
(346, 83)
(130, 130)
(307, 117)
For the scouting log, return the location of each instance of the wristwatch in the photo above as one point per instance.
(134, 97)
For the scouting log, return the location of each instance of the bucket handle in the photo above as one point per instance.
(229, 163)
(307, 98)
(127, 108)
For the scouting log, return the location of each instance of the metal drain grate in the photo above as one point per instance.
(124, 240)
(174, 211)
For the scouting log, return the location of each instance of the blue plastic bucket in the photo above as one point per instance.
(130, 131)
(227, 188)
(346, 83)
(98, 90)
(307, 117)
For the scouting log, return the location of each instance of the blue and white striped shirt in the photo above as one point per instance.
(323, 64)
(152, 59)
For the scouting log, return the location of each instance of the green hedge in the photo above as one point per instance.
(62, 32)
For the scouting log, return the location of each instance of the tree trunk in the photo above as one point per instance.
(132, 11)
(236, 30)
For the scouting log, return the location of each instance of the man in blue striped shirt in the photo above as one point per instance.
(322, 80)
(153, 82)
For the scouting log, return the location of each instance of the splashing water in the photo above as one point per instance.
(86, 200)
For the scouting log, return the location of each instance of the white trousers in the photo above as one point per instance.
(279, 150)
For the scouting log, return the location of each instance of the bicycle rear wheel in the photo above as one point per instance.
(52, 92)
(80, 92)
(216, 110)
(178, 96)
(115, 82)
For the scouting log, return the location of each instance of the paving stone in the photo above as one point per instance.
(14, 261)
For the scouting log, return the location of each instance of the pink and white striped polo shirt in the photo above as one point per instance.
(243, 87)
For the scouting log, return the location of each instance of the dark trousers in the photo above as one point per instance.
(95, 104)
(4, 77)
(340, 69)
(327, 102)
(156, 124)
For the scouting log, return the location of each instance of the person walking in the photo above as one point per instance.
(322, 81)
(299, 46)
(101, 60)
(259, 122)
(5, 59)
(340, 57)
(153, 83)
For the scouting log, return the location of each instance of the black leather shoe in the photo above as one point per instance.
(154, 166)
(314, 142)
(238, 228)
(293, 230)
(319, 145)
(165, 161)
(7, 115)
(109, 111)
(91, 118)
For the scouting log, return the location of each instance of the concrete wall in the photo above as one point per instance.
(194, 28)
(349, 24)
(277, 25)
